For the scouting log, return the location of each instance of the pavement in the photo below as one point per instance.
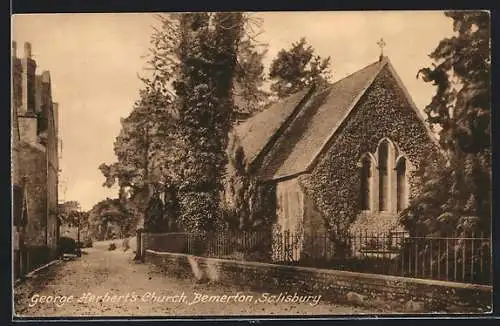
(111, 283)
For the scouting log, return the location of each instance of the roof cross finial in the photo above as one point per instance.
(381, 44)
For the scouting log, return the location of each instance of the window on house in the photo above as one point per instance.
(401, 184)
(17, 194)
(383, 160)
(365, 176)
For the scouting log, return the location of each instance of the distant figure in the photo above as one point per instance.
(126, 244)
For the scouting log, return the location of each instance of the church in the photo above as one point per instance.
(343, 158)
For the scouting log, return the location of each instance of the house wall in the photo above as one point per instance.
(51, 143)
(289, 206)
(33, 170)
(15, 137)
(34, 161)
(289, 221)
(334, 183)
(314, 232)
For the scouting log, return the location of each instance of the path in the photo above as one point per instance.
(141, 286)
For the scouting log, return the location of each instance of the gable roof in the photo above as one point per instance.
(256, 132)
(318, 120)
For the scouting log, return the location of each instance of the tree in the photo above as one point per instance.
(70, 214)
(107, 213)
(175, 137)
(142, 149)
(297, 68)
(248, 78)
(208, 52)
(249, 97)
(461, 108)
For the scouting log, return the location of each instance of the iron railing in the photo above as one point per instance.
(452, 258)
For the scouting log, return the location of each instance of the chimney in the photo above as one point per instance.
(28, 82)
(55, 108)
(14, 49)
(27, 50)
(28, 126)
(46, 77)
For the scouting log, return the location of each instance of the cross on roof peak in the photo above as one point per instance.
(381, 44)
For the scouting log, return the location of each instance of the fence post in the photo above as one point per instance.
(139, 251)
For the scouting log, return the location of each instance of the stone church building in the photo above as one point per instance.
(341, 159)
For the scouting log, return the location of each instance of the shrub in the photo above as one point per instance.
(112, 246)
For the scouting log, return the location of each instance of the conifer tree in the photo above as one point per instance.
(297, 68)
(457, 193)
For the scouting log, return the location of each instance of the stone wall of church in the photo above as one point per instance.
(383, 111)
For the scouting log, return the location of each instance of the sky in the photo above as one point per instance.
(95, 59)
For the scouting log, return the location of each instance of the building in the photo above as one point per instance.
(35, 168)
(339, 159)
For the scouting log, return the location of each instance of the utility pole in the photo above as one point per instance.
(79, 216)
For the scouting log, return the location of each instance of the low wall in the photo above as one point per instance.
(390, 293)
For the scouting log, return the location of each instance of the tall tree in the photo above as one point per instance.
(457, 194)
(110, 212)
(142, 149)
(249, 75)
(196, 61)
(298, 67)
(70, 213)
(249, 96)
(208, 52)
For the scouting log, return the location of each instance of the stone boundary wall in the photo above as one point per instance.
(389, 293)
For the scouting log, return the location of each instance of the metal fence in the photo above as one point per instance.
(452, 258)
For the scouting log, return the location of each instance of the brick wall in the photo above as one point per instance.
(394, 294)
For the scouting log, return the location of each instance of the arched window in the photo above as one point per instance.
(365, 182)
(383, 166)
(401, 186)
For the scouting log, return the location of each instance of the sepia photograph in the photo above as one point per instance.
(305, 163)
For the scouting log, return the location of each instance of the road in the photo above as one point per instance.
(110, 283)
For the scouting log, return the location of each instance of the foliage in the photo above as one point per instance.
(142, 149)
(380, 113)
(70, 214)
(207, 56)
(297, 68)
(461, 108)
(107, 213)
(173, 141)
(154, 221)
(247, 205)
(249, 76)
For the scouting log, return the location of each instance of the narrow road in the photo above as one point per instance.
(110, 283)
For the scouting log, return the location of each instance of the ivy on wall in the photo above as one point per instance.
(382, 112)
(248, 204)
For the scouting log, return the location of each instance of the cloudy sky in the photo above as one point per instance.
(94, 60)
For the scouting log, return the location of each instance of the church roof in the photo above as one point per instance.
(315, 123)
(256, 132)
